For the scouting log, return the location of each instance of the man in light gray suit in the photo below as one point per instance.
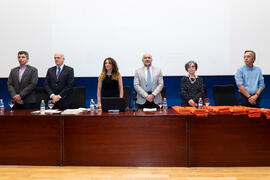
(148, 83)
(22, 82)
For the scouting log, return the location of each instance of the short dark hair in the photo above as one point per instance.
(191, 62)
(253, 53)
(24, 52)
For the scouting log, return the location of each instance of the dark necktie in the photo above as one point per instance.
(58, 72)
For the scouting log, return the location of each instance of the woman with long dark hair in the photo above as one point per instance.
(110, 82)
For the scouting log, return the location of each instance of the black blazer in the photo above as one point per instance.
(26, 88)
(61, 86)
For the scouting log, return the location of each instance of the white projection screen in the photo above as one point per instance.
(214, 33)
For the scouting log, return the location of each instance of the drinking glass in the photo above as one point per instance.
(207, 102)
(50, 104)
(11, 104)
(97, 107)
(160, 105)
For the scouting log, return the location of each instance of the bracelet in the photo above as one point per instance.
(249, 96)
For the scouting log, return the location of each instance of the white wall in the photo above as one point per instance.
(212, 32)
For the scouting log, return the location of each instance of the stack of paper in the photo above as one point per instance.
(71, 111)
(48, 111)
(149, 109)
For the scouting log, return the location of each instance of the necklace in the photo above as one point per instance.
(192, 80)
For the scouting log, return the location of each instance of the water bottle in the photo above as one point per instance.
(42, 107)
(92, 105)
(200, 103)
(165, 104)
(2, 107)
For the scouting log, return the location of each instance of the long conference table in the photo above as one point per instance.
(133, 139)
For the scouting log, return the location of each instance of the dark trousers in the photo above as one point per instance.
(25, 106)
(148, 104)
(63, 104)
(243, 101)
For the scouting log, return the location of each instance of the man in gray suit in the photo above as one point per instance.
(22, 82)
(148, 83)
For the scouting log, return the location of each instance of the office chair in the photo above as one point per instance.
(41, 94)
(127, 95)
(78, 97)
(224, 95)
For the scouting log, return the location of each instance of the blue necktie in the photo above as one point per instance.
(149, 82)
(58, 72)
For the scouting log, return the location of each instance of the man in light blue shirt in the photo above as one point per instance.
(250, 81)
(148, 83)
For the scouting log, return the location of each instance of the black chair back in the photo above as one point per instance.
(41, 94)
(224, 95)
(163, 92)
(204, 91)
(127, 95)
(78, 97)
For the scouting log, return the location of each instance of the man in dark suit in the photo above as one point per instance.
(22, 82)
(59, 82)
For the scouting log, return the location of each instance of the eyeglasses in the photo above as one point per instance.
(191, 67)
